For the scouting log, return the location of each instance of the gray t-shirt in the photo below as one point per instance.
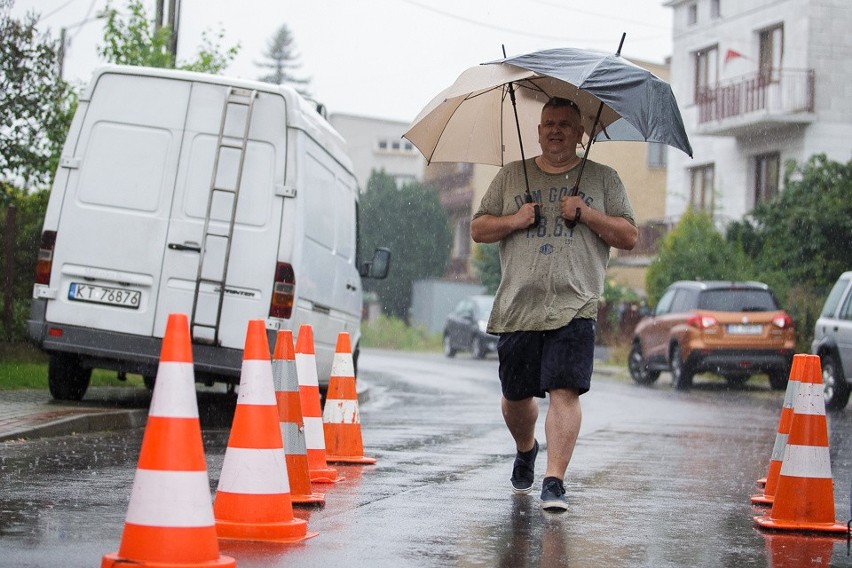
(551, 274)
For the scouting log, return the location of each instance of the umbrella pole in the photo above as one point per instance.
(576, 189)
(527, 196)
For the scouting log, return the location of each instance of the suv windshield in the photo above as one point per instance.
(727, 300)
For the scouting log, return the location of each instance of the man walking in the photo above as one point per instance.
(552, 279)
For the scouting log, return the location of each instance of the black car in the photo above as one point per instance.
(464, 329)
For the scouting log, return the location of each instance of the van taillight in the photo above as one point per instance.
(701, 321)
(283, 291)
(45, 257)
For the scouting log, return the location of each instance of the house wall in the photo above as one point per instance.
(815, 37)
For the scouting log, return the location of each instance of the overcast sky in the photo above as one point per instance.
(380, 58)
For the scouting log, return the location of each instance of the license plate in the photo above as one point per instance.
(120, 297)
(745, 329)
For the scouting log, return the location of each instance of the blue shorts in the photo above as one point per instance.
(534, 362)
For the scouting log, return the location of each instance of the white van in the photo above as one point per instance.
(224, 199)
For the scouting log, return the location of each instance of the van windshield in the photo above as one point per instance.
(737, 301)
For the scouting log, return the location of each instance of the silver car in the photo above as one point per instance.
(833, 343)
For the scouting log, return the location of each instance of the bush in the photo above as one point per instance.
(393, 333)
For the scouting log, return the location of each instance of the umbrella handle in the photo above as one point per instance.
(529, 199)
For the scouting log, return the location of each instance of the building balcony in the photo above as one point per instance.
(756, 103)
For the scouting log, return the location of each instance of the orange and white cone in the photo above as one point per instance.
(804, 500)
(341, 418)
(306, 370)
(784, 423)
(169, 520)
(253, 497)
(291, 422)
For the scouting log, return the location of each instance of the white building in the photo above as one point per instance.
(377, 144)
(759, 82)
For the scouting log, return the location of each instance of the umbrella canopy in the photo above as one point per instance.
(473, 120)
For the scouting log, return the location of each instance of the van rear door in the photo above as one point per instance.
(115, 216)
(249, 271)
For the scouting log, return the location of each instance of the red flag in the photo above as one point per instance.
(732, 54)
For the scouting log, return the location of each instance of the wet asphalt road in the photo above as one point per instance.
(659, 479)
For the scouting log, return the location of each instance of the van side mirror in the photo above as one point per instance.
(378, 267)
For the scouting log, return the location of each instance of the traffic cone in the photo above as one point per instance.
(290, 420)
(253, 498)
(169, 520)
(777, 458)
(804, 500)
(340, 417)
(306, 370)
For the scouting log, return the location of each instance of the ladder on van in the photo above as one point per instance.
(222, 200)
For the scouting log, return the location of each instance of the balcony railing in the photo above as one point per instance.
(781, 92)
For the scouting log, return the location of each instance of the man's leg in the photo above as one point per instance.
(520, 417)
(561, 426)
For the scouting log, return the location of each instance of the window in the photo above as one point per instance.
(706, 72)
(767, 168)
(665, 303)
(771, 52)
(656, 155)
(701, 188)
(692, 14)
(714, 9)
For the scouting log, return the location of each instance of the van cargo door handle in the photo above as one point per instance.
(176, 246)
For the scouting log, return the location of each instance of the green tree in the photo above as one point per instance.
(486, 264)
(804, 234)
(412, 224)
(36, 106)
(801, 240)
(281, 59)
(695, 250)
(135, 40)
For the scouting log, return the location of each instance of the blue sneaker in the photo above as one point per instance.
(553, 495)
(523, 472)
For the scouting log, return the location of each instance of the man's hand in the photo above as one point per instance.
(569, 205)
(525, 216)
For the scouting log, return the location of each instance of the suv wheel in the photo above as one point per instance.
(681, 372)
(835, 388)
(639, 368)
(778, 379)
(448, 346)
(737, 379)
(66, 378)
(477, 350)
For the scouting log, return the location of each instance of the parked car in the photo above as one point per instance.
(464, 329)
(833, 343)
(733, 329)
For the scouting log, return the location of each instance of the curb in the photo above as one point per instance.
(83, 423)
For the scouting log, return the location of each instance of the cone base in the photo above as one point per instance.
(325, 475)
(310, 499)
(114, 560)
(286, 531)
(761, 482)
(349, 459)
(764, 500)
(769, 523)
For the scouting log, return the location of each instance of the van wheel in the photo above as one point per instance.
(681, 372)
(835, 388)
(639, 368)
(448, 347)
(67, 379)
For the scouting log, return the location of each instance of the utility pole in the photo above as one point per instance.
(158, 15)
(174, 25)
(9, 280)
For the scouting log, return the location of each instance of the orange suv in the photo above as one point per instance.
(733, 329)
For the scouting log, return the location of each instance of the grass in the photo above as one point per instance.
(22, 366)
(393, 333)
